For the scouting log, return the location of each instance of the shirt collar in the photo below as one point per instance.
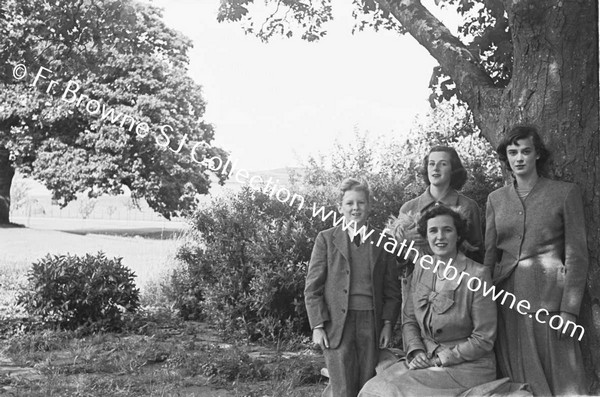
(426, 200)
(350, 232)
(538, 185)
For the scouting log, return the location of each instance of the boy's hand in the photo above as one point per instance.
(386, 336)
(320, 338)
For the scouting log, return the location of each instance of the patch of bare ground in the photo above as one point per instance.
(179, 359)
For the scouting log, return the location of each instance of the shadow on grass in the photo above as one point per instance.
(11, 225)
(154, 233)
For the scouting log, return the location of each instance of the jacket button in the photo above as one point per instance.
(439, 331)
(343, 310)
(347, 271)
(345, 291)
(520, 212)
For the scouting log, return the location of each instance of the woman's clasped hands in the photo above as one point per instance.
(422, 361)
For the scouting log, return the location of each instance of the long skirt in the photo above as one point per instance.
(398, 381)
(530, 352)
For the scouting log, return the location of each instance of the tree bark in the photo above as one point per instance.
(554, 85)
(7, 172)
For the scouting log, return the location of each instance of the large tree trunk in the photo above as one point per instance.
(6, 175)
(554, 85)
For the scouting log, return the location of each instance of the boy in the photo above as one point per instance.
(352, 294)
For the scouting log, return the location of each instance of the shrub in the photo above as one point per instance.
(185, 292)
(69, 291)
(246, 257)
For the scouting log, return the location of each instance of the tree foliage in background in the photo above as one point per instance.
(123, 55)
(512, 62)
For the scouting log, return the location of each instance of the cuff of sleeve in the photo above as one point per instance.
(448, 358)
(414, 347)
(569, 310)
(444, 356)
(319, 326)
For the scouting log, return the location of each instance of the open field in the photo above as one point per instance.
(138, 243)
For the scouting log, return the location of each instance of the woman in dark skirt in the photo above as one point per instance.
(536, 245)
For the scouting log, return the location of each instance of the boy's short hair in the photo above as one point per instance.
(458, 175)
(523, 132)
(354, 184)
(460, 223)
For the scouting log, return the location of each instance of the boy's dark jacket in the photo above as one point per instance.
(326, 293)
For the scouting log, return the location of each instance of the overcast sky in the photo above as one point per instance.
(272, 104)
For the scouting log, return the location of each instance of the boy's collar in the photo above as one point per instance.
(351, 234)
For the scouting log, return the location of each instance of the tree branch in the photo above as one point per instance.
(474, 84)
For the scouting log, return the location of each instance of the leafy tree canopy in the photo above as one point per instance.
(103, 55)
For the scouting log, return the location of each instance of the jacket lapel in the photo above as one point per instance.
(374, 251)
(460, 263)
(373, 254)
(340, 240)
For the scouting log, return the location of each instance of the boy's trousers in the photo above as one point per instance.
(353, 362)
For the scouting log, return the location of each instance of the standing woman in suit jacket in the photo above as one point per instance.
(536, 245)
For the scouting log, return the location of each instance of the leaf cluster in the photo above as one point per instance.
(282, 17)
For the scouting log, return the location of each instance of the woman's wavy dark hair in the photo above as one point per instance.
(458, 176)
(460, 223)
(524, 132)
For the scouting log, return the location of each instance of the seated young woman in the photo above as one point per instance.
(449, 329)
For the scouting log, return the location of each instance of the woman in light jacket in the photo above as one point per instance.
(449, 329)
(444, 175)
(536, 246)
